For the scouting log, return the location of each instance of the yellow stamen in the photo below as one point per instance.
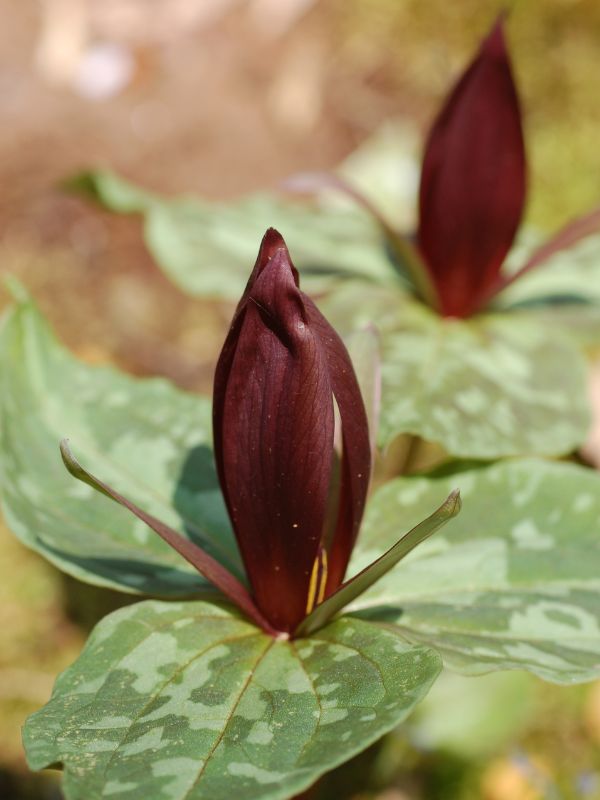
(318, 581)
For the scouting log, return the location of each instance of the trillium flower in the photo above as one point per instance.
(282, 378)
(280, 371)
(472, 191)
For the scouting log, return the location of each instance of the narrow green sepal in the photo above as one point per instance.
(354, 587)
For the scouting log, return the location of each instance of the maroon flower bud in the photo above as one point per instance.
(280, 371)
(473, 181)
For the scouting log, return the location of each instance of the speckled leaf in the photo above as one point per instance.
(513, 583)
(208, 248)
(185, 701)
(145, 437)
(493, 386)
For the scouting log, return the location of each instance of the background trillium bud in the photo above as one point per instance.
(472, 189)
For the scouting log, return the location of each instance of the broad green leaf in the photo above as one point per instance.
(373, 572)
(185, 701)
(514, 583)
(209, 248)
(145, 437)
(492, 386)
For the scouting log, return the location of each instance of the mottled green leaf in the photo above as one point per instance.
(185, 701)
(492, 386)
(513, 583)
(208, 248)
(148, 439)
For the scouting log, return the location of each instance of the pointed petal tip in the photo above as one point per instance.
(273, 234)
(494, 44)
(271, 242)
(273, 245)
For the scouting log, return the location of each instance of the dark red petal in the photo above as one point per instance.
(356, 448)
(272, 243)
(273, 429)
(473, 180)
(198, 558)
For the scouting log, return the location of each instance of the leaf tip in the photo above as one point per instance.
(453, 503)
(69, 460)
(16, 289)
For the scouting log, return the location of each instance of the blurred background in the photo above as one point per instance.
(219, 98)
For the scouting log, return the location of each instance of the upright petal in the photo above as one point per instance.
(273, 429)
(356, 447)
(473, 180)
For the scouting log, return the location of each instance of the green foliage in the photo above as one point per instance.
(515, 581)
(495, 385)
(510, 382)
(208, 248)
(146, 437)
(374, 571)
(185, 700)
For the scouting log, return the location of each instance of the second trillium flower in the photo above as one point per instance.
(471, 195)
(295, 502)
